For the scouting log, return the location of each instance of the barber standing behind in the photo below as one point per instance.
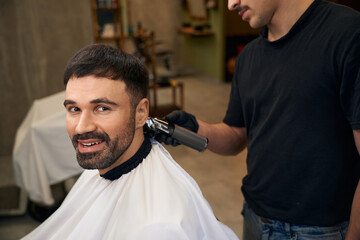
(295, 104)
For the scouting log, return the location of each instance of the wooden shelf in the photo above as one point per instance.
(195, 33)
(109, 14)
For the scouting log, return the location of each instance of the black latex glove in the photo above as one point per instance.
(181, 118)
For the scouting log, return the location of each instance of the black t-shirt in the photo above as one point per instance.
(299, 99)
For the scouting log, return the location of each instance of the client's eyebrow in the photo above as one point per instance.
(103, 100)
(95, 101)
(67, 102)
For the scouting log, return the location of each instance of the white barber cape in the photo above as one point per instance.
(152, 198)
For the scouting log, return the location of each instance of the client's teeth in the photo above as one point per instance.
(90, 144)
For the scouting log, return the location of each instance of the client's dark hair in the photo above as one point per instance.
(112, 63)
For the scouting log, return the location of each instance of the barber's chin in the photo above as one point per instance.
(255, 26)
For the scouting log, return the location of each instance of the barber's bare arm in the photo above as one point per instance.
(354, 226)
(223, 139)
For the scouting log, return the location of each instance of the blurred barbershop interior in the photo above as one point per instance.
(189, 48)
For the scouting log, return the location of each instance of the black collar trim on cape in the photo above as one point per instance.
(130, 164)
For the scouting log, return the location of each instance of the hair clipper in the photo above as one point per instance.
(183, 135)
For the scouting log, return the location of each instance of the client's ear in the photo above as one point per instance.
(142, 112)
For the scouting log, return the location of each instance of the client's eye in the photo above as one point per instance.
(73, 109)
(103, 108)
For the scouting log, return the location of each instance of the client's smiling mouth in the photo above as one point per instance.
(91, 143)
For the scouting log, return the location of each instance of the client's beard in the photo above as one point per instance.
(108, 156)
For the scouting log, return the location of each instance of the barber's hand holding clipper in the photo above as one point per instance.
(178, 127)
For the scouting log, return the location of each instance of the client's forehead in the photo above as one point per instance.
(88, 88)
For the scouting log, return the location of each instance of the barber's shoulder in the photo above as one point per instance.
(344, 15)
